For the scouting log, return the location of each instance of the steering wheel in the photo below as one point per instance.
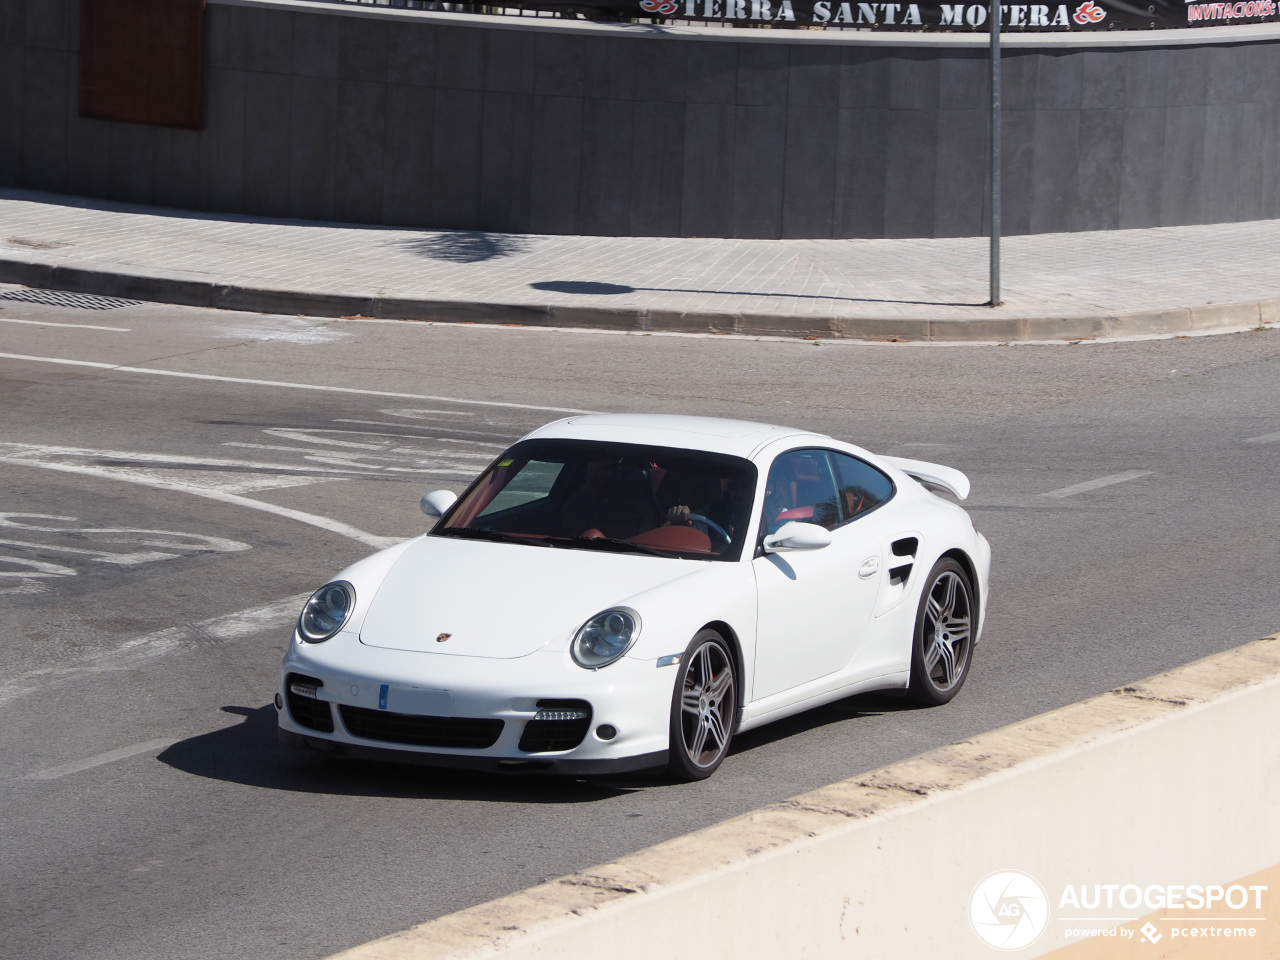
(711, 527)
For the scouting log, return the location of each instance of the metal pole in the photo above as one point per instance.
(995, 152)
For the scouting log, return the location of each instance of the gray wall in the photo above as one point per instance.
(348, 118)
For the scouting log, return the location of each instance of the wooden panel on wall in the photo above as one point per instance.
(142, 61)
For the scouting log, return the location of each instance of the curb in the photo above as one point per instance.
(199, 293)
(524, 924)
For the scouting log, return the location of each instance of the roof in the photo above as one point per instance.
(735, 437)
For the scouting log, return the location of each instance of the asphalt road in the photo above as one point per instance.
(157, 534)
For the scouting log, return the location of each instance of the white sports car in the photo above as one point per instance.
(620, 592)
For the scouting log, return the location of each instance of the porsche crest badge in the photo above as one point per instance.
(443, 637)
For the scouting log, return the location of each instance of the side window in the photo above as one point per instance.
(862, 486)
(801, 487)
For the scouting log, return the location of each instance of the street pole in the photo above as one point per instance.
(995, 153)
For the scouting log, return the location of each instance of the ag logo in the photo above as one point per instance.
(1089, 12)
(662, 7)
(1008, 909)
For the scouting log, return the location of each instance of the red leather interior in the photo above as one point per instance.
(796, 513)
(687, 539)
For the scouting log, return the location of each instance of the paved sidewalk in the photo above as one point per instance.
(1056, 286)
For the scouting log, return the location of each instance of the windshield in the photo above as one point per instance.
(608, 496)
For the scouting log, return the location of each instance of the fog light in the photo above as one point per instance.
(279, 702)
(570, 714)
(302, 689)
(606, 731)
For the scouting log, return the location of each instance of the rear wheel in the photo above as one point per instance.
(704, 708)
(943, 643)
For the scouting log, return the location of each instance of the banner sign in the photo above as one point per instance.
(950, 17)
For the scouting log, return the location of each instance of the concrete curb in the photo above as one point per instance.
(550, 919)
(1007, 328)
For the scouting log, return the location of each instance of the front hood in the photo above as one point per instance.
(501, 600)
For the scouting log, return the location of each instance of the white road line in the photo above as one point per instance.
(409, 436)
(1088, 485)
(232, 626)
(111, 756)
(245, 445)
(1265, 438)
(417, 413)
(173, 459)
(78, 326)
(324, 523)
(285, 384)
(99, 556)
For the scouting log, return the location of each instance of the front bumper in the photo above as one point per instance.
(531, 763)
(631, 696)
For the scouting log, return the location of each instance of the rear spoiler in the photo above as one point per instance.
(933, 475)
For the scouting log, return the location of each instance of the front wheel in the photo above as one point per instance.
(703, 708)
(943, 642)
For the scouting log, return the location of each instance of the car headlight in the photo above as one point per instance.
(605, 637)
(327, 611)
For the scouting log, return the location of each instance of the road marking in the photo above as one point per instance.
(99, 556)
(417, 436)
(231, 626)
(311, 435)
(171, 459)
(1088, 485)
(349, 463)
(111, 756)
(78, 326)
(160, 483)
(29, 574)
(1265, 438)
(285, 384)
(163, 539)
(416, 413)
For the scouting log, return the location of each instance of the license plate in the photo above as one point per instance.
(416, 700)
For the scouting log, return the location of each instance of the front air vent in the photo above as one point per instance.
(558, 725)
(460, 732)
(305, 706)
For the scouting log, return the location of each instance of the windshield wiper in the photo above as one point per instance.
(471, 533)
(591, 543)
(617, 546)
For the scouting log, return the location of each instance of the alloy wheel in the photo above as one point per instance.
(707, 705)
(948, 623)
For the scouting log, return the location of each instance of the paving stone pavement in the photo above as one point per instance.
(1055, 285)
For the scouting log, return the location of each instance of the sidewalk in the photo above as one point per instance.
(1056, 286)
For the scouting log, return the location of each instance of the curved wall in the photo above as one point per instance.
(431, 120)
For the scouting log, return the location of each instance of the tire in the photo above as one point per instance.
(942, 647)
(703, 714)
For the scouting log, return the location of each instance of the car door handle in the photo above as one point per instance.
(869, 568)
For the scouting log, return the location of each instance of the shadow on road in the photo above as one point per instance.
(617, 289)
(249, 753)
(863, 705)
(583, 286)
(465, 246)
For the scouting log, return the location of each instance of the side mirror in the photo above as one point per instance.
(796, 535)
(435, 503)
